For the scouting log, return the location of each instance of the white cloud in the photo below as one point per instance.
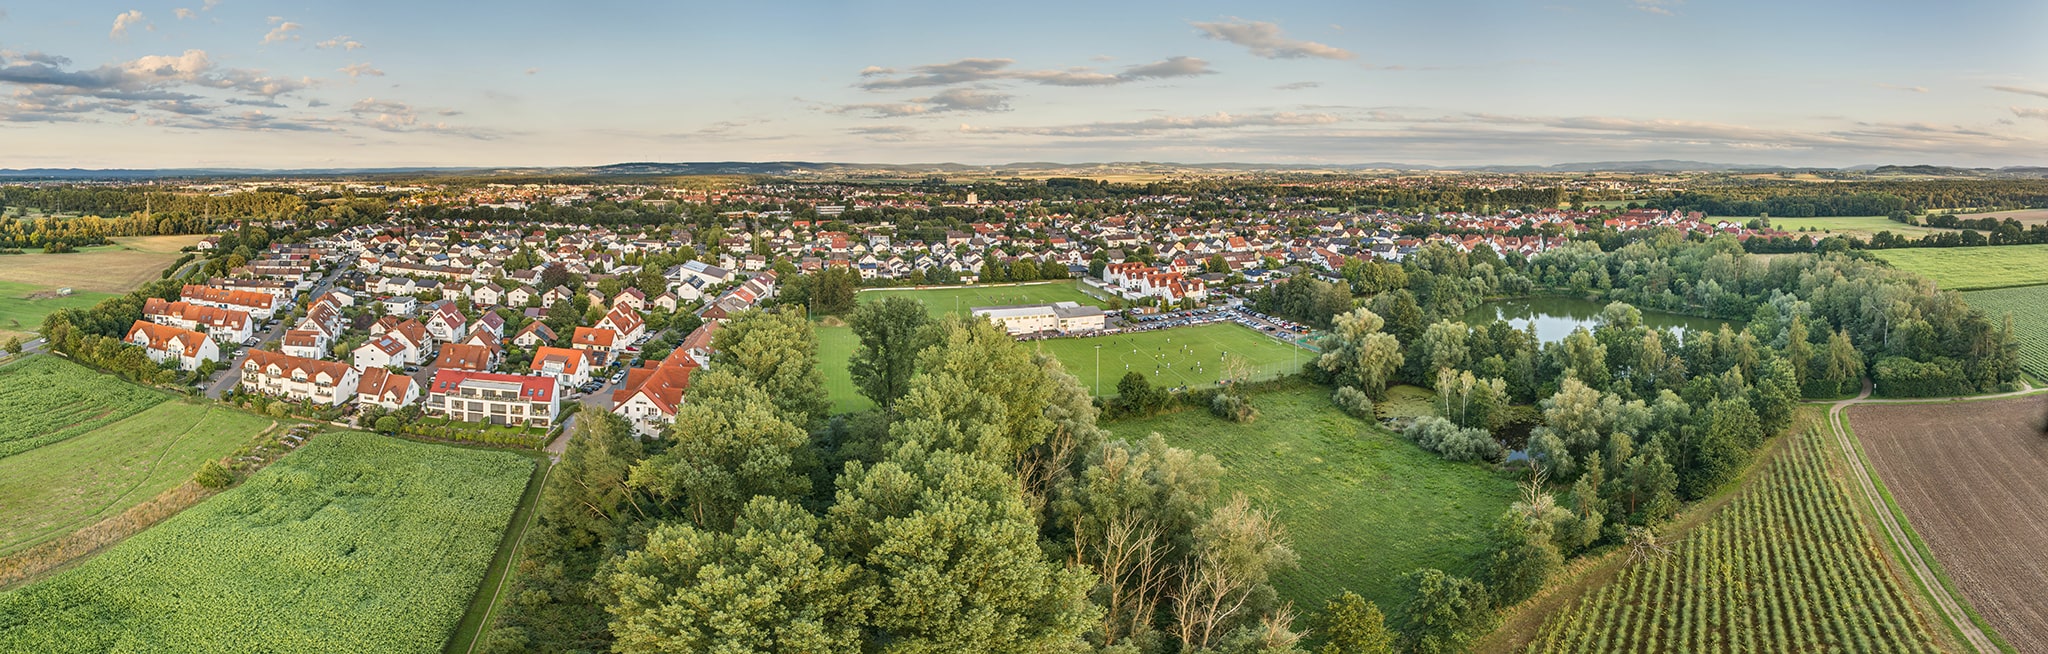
(284, 31)
(1266, 40)
(358, 70)
(184, 14)
(342, 42)
(2021, 90)
(1219, 120)
(968, 71)
(124, 21)
(1296, 86)
(941, 102)
(395, 116)
(1658, 7)
(2031, 112)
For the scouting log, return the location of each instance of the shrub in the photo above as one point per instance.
(1233, 407)
(1353, 401)
(388, 424)
(1451, 441)
(214, 475)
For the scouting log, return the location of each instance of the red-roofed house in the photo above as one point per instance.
(463, 356)
(571, 366)
(652, 393)
(383, 388)
(167, 344)
(322, 382)
(624, 322)
(495, 398)
(597, 342)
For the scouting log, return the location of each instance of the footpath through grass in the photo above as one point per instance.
(1973, 268)
(1362, 505)
(356, 542)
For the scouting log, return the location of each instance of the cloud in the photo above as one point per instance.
(342, 42)
(1896, 87)
(2030, 112)
(886, 133)
(358, 70)
(969, 71)
(261, 103)
(395, 116)
(315, 103)
(284, 31)
(1266, 40)
(173, 85)
(532, 71)
(124, 21)
(1658, 7)
(1296, 86)
(184, 14)
(1213, 121)
(941, 102)
(2021, 90)
(209, 5)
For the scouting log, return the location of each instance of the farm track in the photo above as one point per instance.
(1945, 600)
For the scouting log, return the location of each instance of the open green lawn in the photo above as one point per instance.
(2028, 306)
(958, 299)
(1858, 226)
(1363, 506)
(56, 489)
(1962, 269)
(46, 399)
(1184, 356)
(21, 314)
(356, 542)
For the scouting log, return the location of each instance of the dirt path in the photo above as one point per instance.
(1944, 600)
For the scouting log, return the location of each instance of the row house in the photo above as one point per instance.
(260, 306)
(224, 325)
(299, 378)
(175, 345)
(494, 398)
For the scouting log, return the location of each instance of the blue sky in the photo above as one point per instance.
(377, 83)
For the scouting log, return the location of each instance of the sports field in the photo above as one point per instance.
(1963, 269)
(959, 299)
(1362, 505)
(356, 542)
(56, 489)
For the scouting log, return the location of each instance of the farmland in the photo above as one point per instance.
(45, 400)
(1962, 269)
(1362, 505)
(1783, 567)
(356, 539)
(1968, 477)
(2028, 306)
(1859, 226)
(116, 268)
(57, 488)
(958, 299)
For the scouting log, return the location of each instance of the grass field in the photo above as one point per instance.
(45, 399)
(2028, 306)
(1859, 226)
(1362, 505)
(22, 307)
(959, 299)
(1963, 269)
(116, 268)
(356, 542)
(1784, 567)
(52, 490)
(2025, 216)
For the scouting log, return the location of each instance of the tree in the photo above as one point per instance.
(1720, 445)
(1523, 555)
(892, 333)
(388, 424)
(981, 393)
(1137, 395)
(937, 528)
(1225, 582)
(728, 445)
(1352, 625)
(1356, 353)
(1444, 612)
(14, 345)
(778, 353)
(1131, 515)
(769, 586)
(213, 475)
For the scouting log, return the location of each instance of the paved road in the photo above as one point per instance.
(232, 374)
(1944, 601)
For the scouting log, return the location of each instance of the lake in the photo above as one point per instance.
(1556, 317)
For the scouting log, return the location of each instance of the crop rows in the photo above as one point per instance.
(1785, 567)
(44, 400)
(2028, 306)
(356, 542)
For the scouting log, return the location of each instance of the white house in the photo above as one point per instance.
(566, 364)
(167, 344)
(384, 351)
(224, 325)
(1061, 317)
(283, 375)
(495, 398)
(383, 388)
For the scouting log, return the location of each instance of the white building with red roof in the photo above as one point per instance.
(167, 344)
(653, 392)
(494, 398)
(383, 388)
(299, 378)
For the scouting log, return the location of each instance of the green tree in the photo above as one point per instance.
(778, 353)
(14, 345)
(1137, 394)
(1131, 515)
(388, 424)
(769, 586)
(1236, 551)
(213, 475)
(728, 445)
(981, 393)
(1352, 625)
(892, 333)
(1444, 612)
(1356, 353)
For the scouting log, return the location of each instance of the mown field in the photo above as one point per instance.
(959, 299)
(1362, 505)
(2028, 306)
(1972, 268)
(1968, 476)
(45, 399)
(357, 542)
(1784, 567)
(22, 307)
(116, 268)
(1859, 226)
(56, 489)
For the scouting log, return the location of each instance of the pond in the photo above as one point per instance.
(1556, 317)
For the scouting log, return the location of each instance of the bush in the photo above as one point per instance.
(1232, 407)
(388, 424)
(1353, 401)
(1451, 441)
(214, 475)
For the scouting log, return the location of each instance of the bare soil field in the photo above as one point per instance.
(1970, 477)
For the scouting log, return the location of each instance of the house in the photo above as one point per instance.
(491, 322)
(176, 345)
(260, 306)
(384, 351)
(652, 393)
(464, 356)
(598, 343)
(308, 343)
(494, 398)
(311, 380)
(631, 297)
(520, 296)
(698, 270)
(382, 388)
(402, 305)
(446, 322)
(534, 335)
(625, 323)
(410, 331)
(487, 295)
(224, 325)
(1060, 317)
(569, 365)
(666, 302)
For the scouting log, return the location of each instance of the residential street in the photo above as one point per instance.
(232, 374)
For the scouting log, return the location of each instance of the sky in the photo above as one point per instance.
(377, 83)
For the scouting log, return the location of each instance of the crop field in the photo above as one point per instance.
(1972, 268)
(1858, 226)
(2028, 306)
(1969, 477)
(1362, 505)
(45, 399)
(959, 299)
(55, 489)
(1784, 567)
(356, 542)
(2025, 216)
